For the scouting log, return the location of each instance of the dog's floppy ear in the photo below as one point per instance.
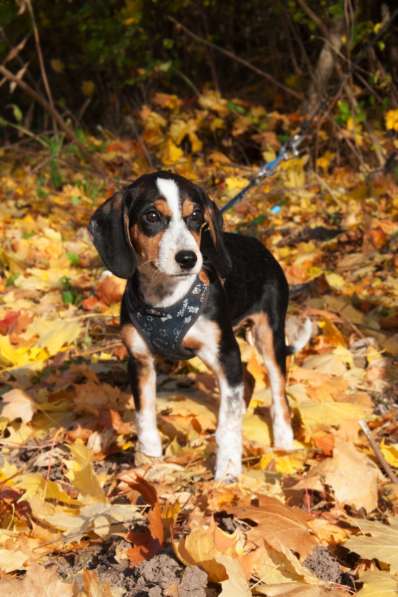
(109, 231)
(214, 221)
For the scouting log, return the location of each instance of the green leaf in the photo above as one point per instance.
(17, 113)
(74, 259)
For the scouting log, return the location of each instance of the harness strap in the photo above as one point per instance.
(165, 328)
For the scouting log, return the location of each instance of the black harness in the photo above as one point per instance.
(164, 328)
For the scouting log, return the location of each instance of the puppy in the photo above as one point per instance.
(190, 286)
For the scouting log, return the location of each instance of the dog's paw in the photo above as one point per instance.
(227, 470)
(283, 438)
(141, 459)
(150, 444)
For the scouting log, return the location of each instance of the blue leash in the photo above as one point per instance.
(287, 151)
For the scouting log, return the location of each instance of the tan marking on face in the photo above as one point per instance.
(188, 207)
(146, 247)
(264, 341)
(163, 207)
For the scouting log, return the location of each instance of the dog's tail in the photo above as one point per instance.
(302, 338)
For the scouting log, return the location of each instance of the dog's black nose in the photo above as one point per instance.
(186, 259)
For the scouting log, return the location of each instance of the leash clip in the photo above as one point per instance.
(292, 147)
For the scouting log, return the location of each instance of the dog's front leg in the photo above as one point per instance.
(218, 349)
(229, 426)
(142, 377)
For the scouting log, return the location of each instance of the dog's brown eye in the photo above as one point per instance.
(196, 215)
(151, 217)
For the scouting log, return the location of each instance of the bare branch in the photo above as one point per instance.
(41, 60)
(69, 133)
(236, 58)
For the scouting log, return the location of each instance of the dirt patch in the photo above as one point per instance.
(323, 565)
(161, 576)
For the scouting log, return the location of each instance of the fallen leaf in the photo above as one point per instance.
(18, 405)
(203, 545)
(381, 545)
(378, 584)
(81, 472)
(279, 524)
(236, 583)
(352, 476)
(11, 559)
(38, 582)
(148, 542)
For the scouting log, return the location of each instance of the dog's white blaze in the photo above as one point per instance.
(149, 441)
(177, 237)
(169, 190)
(282, 431)
(229, 426)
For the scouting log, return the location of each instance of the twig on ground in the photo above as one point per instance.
(377, 452)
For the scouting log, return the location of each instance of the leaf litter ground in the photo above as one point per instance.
(77, 516)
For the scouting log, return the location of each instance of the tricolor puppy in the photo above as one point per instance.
(190, 286)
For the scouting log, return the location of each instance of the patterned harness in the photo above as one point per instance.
(165, 328)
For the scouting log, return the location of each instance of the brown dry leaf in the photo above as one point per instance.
(320, 416)
(352, 476)
(298, 590)
(378, 584)
(279, 566)
(110, 289)
(18, 405)
(94, 587)
(38, 582)
(12, 559)
(149, 542)
(381, 545)
(204, 544)
(279, 524)
(236, 583)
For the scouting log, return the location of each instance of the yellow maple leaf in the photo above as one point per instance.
(211, 100)
(286, 464)
(391, 118)
(81, 473)
(234, 184)
(54, 334)
(378, 584)
(382, 543)
(390, 453)
(171, 153)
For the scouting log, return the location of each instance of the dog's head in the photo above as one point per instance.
(158, 220)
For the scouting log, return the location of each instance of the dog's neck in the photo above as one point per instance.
(161, 290)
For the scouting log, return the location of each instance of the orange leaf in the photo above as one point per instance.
(148, 542)
(278, 524)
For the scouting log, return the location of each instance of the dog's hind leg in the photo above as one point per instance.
(270, 342)
(142, 377)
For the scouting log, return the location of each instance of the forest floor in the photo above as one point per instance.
(78, 514)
